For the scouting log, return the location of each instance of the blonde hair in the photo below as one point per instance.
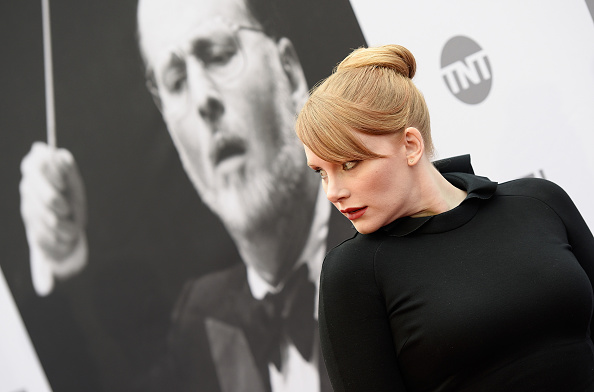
(370, 91)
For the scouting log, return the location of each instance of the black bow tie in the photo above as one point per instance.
(291, 311)
(288, 313)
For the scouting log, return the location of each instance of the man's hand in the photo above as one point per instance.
(53, 209)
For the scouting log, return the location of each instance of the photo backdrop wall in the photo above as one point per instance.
(511, 83)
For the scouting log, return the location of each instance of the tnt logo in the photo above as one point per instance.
(466, 70)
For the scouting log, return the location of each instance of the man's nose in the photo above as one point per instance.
(204, 91)
(336, 190)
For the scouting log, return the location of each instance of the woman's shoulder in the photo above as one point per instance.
(358, 250)
(532, 187)
(350, 265)
(540, 189)
(358, 244)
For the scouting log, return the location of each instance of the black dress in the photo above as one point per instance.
(494, 295)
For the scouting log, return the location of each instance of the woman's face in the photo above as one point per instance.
(373, 192)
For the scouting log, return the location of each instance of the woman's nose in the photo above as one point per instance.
(336, 190)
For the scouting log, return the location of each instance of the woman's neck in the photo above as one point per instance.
(437, 195)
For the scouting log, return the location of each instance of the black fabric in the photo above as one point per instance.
(454, 164)
(494, 295)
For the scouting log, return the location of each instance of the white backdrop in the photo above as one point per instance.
(538, 118)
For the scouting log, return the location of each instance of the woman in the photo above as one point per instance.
(453, 282)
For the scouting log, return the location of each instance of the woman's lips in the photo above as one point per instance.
(354, 213)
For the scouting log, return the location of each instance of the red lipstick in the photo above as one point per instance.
(354, 213)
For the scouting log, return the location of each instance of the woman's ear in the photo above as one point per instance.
(414, 145)
(292, 68)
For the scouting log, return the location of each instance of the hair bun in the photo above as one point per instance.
(395, 57)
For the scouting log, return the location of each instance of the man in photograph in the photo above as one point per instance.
(228, 80)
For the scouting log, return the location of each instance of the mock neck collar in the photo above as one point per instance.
(458, 171)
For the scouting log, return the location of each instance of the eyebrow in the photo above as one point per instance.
(176, 57)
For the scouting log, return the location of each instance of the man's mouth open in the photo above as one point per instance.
(227, 149)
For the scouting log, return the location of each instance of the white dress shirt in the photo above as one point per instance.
(296, 373)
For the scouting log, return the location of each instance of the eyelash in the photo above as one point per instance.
(345, 167)
(322, 176)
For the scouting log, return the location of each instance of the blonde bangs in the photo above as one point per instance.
(324, 128)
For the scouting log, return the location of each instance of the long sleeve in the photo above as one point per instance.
(579, 235)
(354, 328)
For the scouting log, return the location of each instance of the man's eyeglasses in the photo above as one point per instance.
(215, 45)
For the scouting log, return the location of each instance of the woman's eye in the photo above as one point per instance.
(349, 165)
(322, 173)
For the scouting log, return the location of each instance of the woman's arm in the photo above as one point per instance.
(355, 333)
(579, 235)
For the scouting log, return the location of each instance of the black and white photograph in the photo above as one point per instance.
(172, 224)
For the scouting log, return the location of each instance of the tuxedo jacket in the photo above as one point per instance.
(209, 351)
